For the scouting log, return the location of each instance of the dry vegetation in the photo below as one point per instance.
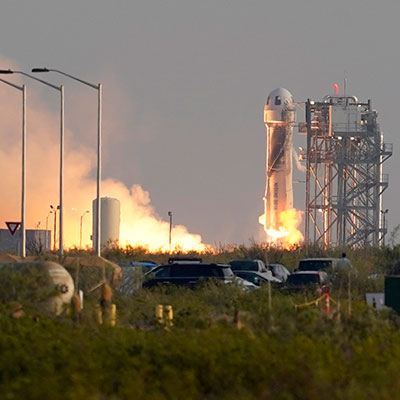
(225, 343)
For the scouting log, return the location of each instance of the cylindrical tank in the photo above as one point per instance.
(46, 283)
(109, 220)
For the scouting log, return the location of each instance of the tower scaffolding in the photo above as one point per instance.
(344, 179)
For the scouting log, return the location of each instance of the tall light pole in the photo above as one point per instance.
(384, 212)
(99, 89)
(61, 90)
(55, 225)
(47, 228)
(23, 186)
(170, 230)
(80, 236)
(47, 220)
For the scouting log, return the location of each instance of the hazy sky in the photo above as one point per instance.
(185, 84)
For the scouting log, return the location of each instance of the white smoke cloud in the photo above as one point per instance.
(140, 224)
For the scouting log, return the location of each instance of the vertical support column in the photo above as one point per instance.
(344, 162)
(330, 217)
(98, 203)
(339, 224)
(307, 221)
(381, 231)
(61, 214)
(23, 193)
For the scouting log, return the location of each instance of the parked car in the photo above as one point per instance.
(318, 264)
(257, 278)
(189, 274)
(248, 265)
(184, 260)
(279, 271)
(133, 274)
(317, 281)
(144, 266)
(256, 266)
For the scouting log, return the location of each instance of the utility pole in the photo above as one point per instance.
(384, 212)
(55, 225)
(80, 230)
(170, 230)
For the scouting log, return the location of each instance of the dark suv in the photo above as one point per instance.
(187, 274)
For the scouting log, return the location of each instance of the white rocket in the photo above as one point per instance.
(279, 118)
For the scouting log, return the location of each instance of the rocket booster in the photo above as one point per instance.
(279, 118)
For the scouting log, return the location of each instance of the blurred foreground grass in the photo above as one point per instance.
(278, 353)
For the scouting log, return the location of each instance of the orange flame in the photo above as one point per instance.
(286, 235)
(140, 224)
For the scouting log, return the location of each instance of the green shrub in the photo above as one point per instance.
(280, 352)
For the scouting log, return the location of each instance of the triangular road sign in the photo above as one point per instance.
(13, 226)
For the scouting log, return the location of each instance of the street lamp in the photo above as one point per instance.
(99, 89)
(384, 212)
(55, 225)
(80, 236)
(170, 230)
(47, 228)
(47, 220)
(23, 195)
(61, 90)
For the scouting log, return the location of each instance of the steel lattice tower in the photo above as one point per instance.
(344, 179)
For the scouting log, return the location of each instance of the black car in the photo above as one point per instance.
(187, 274)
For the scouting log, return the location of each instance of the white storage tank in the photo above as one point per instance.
(48, 284)
(109, 220)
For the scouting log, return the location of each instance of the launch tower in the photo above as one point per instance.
(344, 179)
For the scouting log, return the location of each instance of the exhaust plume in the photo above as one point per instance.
(140, 224)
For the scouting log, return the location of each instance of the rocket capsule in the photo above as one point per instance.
(279, 108)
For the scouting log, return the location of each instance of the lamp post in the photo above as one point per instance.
(61, 90)
(170, 230)
(99, 89)
(47, 220)
(384, 212)
(47, 229)
(23, 186)
(80, 236)
(55, 225)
